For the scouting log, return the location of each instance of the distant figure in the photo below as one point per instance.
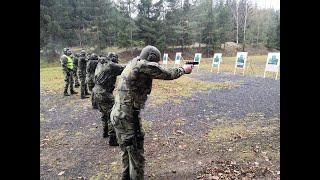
(67, 68)
(82, 64)
(75, 70)
(90, 69)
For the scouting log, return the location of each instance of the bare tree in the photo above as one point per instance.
(234, 6)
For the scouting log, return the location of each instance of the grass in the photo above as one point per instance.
(254, 67)
(243, 135)
(249, 126)
(184, 86)
(51, 79)
(51, 76)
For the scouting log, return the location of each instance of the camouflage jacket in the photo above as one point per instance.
(82, 64)
(91, 67)
(105, 75)
(135, 82)
(75, 62)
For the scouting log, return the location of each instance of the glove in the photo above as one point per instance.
(187, 69)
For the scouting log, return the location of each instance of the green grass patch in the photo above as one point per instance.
(51, 79)
(183, 86)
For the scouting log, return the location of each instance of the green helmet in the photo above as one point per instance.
(65, 50)
(113, 57)
(150, 53)
(83, 53)
(94, 56)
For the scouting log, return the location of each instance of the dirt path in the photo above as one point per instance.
(195, 137)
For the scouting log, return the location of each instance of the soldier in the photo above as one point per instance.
(67, 68)
(75, 69)
(105, 79)
(134, 86)
(82, 64)
(90, 69)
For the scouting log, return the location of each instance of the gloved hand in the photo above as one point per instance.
(187, 69)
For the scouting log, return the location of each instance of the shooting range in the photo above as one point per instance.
(216, 60)
(272, 64)
(108, 60)
(177, 58)
(241, 60)
(165, 59)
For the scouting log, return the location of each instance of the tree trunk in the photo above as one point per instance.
(130, 28)
(244, 28)
(237, 21)
(258, 35)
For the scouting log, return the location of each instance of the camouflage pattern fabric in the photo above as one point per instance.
(105, 79)
(75, 70)
(90, 69)
(134, 86)
(82, 63)
(68, 74)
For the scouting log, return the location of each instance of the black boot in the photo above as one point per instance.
(105, 130)
(113, 141)
(84, 97)
(73, 92)
(86, 91)
(65, 93)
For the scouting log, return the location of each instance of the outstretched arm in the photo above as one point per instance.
(156, 71)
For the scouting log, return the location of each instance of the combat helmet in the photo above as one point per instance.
(113, 57)
(94, 56)
(150, 53)
(65, 50)
(82, 52)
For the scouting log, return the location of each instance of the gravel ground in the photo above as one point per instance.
(71, 140)
(255, 95)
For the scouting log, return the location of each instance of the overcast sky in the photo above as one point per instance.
(269, 3)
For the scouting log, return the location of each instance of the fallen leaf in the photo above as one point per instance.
(214, 177)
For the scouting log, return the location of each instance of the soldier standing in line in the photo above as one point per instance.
(67, 68)
(134, 86)
(82, 64)
(90, 69)
(105, 79)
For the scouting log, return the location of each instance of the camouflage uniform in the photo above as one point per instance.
(82, 64)
(67, 68)
(75, 69)
(90, 69)
(134, 86)
(105, 79)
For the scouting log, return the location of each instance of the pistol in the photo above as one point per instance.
(192, 62)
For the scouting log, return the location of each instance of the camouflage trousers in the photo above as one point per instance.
(75, 76)
(105, 102)
(130, 136)
(90, 83)
(83, 84)
(68, 80)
